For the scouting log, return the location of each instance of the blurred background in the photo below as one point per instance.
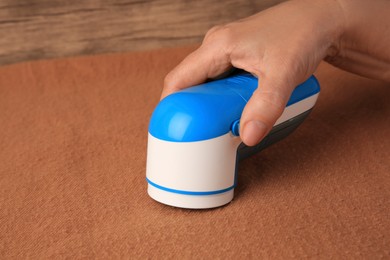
(41, 29)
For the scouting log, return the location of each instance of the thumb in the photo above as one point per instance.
(263, 109)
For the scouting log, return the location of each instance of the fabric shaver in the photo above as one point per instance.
(194, 145)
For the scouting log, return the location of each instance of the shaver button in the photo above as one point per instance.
(236, 128)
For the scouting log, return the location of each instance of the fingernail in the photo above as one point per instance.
(254, 131)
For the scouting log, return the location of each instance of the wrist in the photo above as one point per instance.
(362, 46)
(336, 22)
(328, 24)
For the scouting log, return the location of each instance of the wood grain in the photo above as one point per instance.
(38, 29)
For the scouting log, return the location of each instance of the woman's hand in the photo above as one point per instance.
(282, 46)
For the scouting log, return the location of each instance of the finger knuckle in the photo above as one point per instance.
(168, 80)
(272, 99)
(221, 33)
(212, 30)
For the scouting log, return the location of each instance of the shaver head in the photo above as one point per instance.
(194, 145)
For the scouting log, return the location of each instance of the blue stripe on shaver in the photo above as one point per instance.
(183, 192)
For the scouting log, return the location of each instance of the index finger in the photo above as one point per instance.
(205, 62)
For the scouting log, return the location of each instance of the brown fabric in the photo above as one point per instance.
(72, 177)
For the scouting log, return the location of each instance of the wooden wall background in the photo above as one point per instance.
(39, 29)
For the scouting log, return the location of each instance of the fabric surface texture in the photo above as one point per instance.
(73, 136)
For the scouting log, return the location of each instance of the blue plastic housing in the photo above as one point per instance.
(208, 110)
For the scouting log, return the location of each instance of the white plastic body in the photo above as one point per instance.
(205, 167)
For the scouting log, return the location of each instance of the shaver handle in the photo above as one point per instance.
(277, 133)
